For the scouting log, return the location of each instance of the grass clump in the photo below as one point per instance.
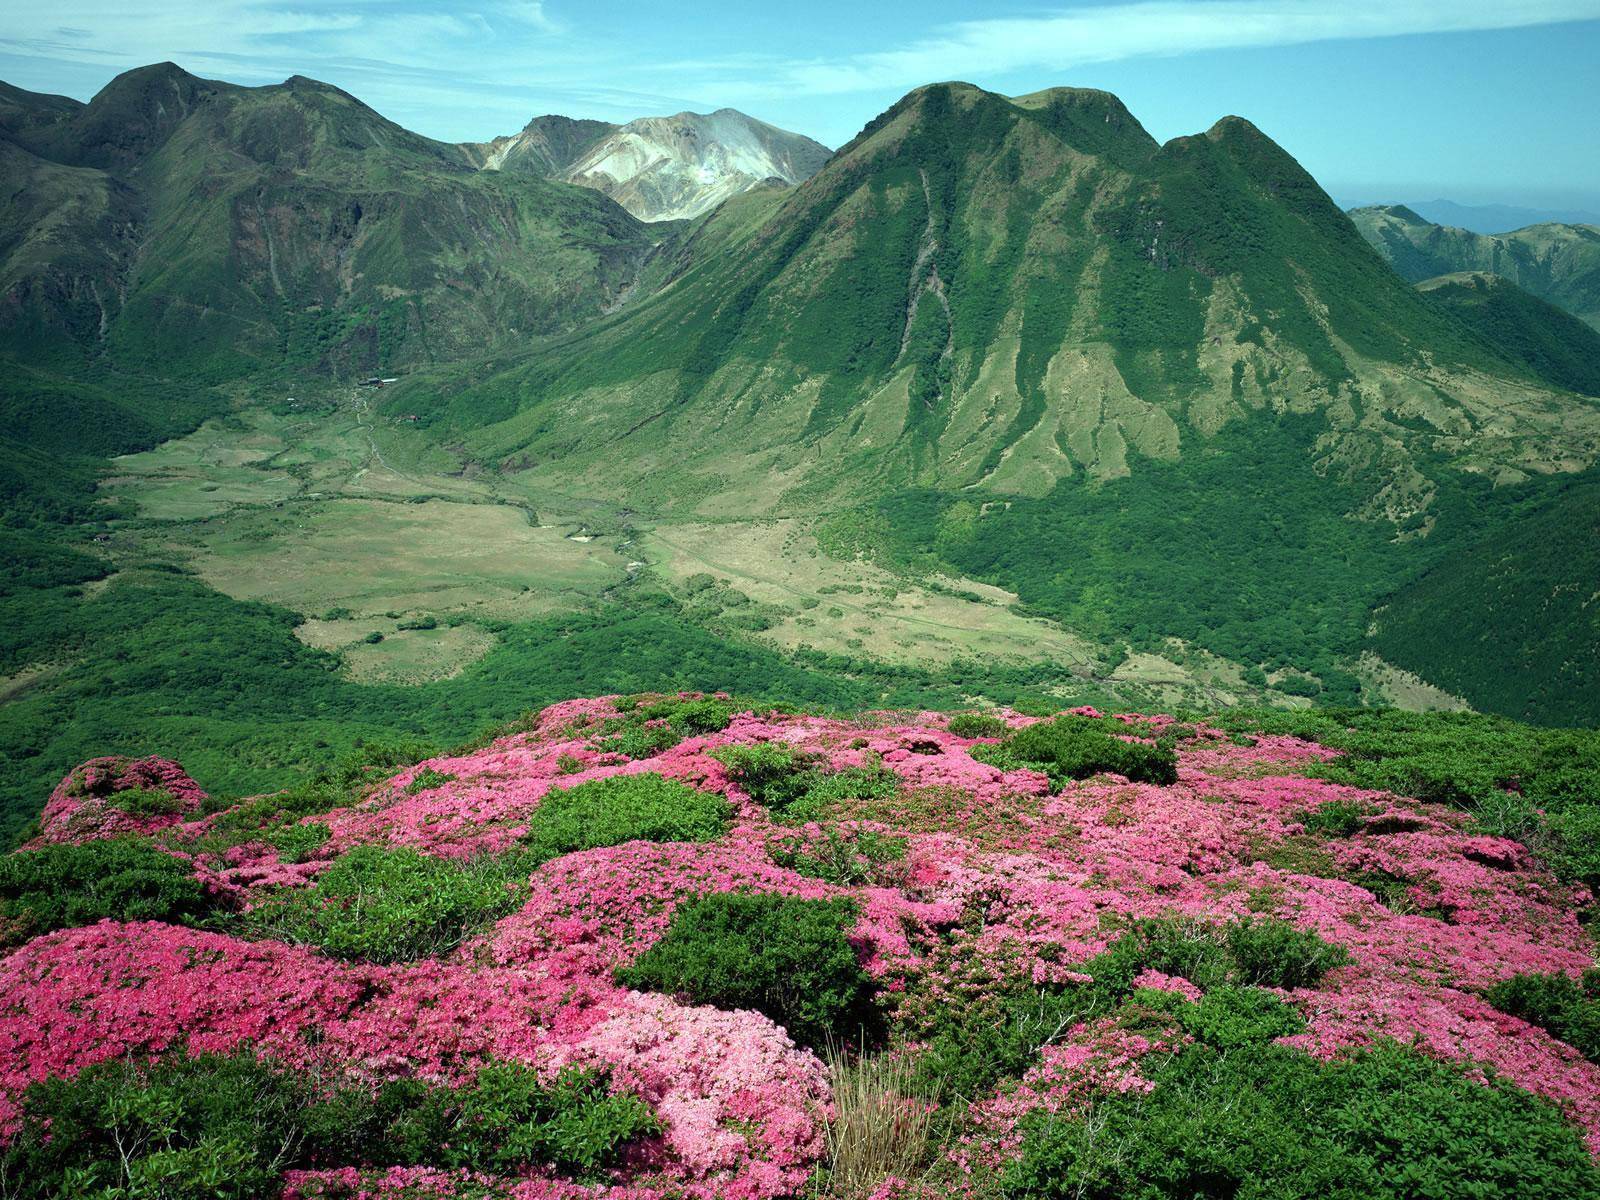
(225, 1127)
(1268, 1121)
(391, 905)
(1076, 747)
(786, 957)
(1562, 1006)
(623, 808)
(882, 1123)
(123, 879)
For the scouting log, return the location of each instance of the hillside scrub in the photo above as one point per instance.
(1076, 747)
(536, 964)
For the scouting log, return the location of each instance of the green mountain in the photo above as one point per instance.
(1156, 390)
(209, 230)
(545, 146)
(1550, 342)
(1555, 262)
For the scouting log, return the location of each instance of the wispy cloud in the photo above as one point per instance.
(1082, 36)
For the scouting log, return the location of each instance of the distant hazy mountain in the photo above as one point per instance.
(1558, 263)
(659, 168)
(1497, 218)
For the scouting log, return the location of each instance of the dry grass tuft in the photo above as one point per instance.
(882, 1122)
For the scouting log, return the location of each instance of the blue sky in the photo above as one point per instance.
(1381, 99)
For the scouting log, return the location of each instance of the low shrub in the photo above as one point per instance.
(977, 725)
(1269, 1121)
(224, 1127)
(1228, 1017)
(1075, 747)
(798, 784)
(1338, 818)
(1255, 951)
(391, 905)
(1562, 1006)
(647, 728)
(426, 780)
(123, 879)
(623, 808)
(786, 957)
(844, 857)
(146, 802)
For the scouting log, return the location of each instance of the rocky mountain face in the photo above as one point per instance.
(659, 168)
(1555, 262)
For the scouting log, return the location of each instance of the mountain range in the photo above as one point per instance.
(1555, 262)
(1153, 415)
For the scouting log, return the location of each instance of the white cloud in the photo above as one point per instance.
(1080, 36)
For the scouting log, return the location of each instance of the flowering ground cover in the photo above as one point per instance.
(681, 948)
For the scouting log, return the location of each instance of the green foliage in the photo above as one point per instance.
(1539, 786)
(1553, 345)
(391, 905)
(623, 808)
(845, 857)
(797, 784)
(997, 1034)
(977, 725)
(146, 802)
(123, 879)
(426, 780)
(1074, 747)
(224, 1127)
(786, 957)
(1336, 818)
(649, 728)
(1230, 1016)
(1264, 1121)
(1565, 1007)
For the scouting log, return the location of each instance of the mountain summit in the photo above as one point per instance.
(659, 168)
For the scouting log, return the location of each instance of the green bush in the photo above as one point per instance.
(1074, 747)
(124, 879)
(1337, 818)
(647, 729)
(146, 802)
(623, 808)
(786, 957)
(1266, 1121)
(846, 858)
(391, 905)
(977, 725)
(426, 780)
(1262, 952)
(1565, 1007)
(797, 783)
(225, 1127)
(1229, 1016)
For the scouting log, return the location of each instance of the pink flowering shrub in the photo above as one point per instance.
(980, 891)
(92, 801)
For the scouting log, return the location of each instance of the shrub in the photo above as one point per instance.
(977, 725)
(1250, 952)
(1228, 1017)
(124, 879)
(224, 1127)
(297, 843)
(624, 808)
(1564, 1007)
(848, 858)
(1266, 1120)
(1074, 747)
(1337, 818)
(391, 905)
(426, 780)
(146, 802)
(786, 957)
(647, 729)
(796, 783)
